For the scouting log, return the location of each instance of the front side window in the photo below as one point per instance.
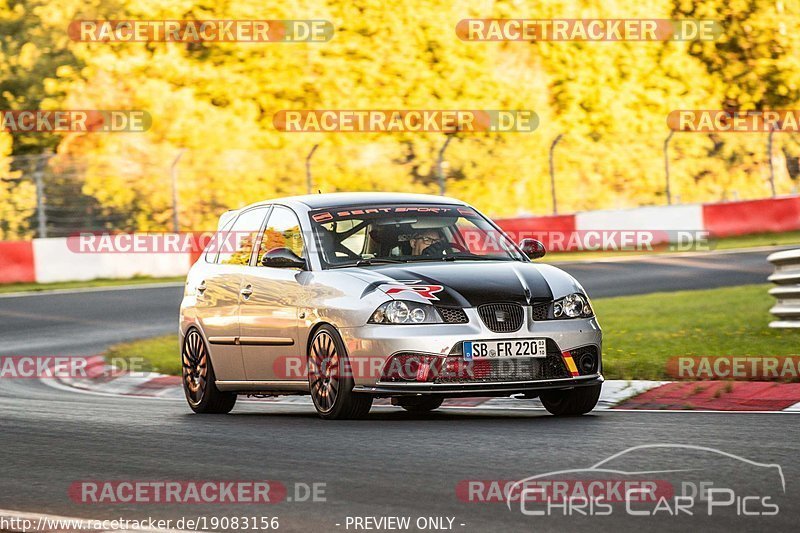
(237, 245)
(407, 234)
(282, 231)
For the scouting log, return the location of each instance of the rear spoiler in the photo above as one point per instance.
(226, 217)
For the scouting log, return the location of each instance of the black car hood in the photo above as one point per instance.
(465, 283)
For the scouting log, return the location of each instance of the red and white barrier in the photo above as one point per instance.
(58, 259)
(718, 220)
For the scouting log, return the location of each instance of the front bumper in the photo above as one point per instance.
(456, 390)
(370, 345)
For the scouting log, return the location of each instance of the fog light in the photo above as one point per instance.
(588, 364)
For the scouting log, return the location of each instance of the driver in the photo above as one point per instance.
(427, 242)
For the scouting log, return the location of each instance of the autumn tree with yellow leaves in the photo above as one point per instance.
(213, 103)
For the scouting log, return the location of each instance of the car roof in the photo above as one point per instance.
(344, 199)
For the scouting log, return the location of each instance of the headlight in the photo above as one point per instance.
(572, 306)
(405, 312)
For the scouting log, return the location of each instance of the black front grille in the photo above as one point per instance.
(540, 311)
(491, 370)
(502, 318)
(453, 315)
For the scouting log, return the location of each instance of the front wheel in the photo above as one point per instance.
(330, 380)
(199, 382)
(573, 402)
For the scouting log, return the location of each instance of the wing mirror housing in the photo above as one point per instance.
(283, 258)
(533, 249)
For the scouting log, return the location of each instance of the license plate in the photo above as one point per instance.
(505, 349)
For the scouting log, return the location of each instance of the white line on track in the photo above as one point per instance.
(80, 290)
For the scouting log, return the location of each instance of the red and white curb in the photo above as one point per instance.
(760, 396)
(102, 378)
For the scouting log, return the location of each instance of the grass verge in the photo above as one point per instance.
(158, 354)
(641, 333)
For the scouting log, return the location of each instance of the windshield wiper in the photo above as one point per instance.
(378, 261)
(369, 262)
(464, 258)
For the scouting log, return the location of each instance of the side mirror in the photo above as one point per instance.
(282, 258)
(533, 249)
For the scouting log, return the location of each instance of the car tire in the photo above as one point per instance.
(577, 401)
(425, 404)
(199, 380)
(330, 380)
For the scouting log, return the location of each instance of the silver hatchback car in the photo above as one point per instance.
(354, 296)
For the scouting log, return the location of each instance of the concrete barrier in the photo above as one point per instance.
(53, 260)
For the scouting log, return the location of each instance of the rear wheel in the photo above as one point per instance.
(573, 402)
(423, 404)
(330, 380)
(199, 382)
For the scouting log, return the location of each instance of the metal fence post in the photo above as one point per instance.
(174, 174)
(309, 182)
(553, 172)
(439, 170)
(666, 166)
(771, 164)
(38, 176)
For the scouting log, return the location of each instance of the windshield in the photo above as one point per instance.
(366, 235)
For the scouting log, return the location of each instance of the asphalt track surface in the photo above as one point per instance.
(392, 464)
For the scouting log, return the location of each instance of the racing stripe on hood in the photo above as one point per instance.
(465, 284)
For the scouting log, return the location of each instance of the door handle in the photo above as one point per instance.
(202, 287)
(246, 292)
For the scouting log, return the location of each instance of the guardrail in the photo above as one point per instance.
(787, 292)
